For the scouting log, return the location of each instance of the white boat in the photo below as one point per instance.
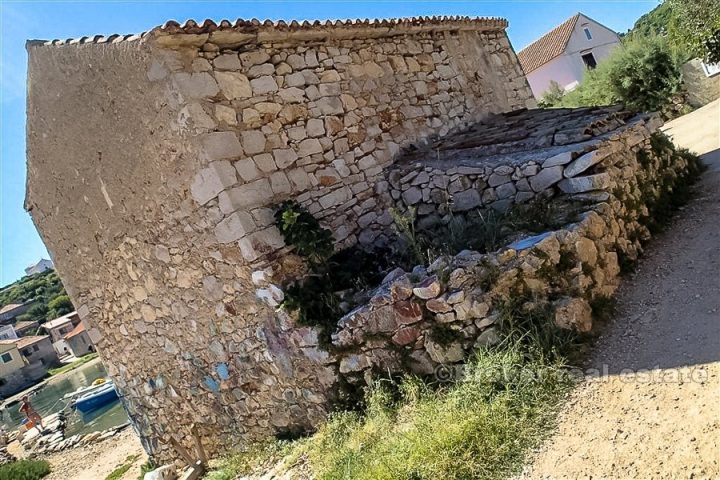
(97, 384)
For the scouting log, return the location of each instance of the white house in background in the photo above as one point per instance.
(565, 53)
(39, 267)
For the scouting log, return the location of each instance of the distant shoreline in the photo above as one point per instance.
(16, 397)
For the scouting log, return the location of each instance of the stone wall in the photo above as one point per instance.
(434, 316)
(510, 159)
(153, 165)
(318, 120)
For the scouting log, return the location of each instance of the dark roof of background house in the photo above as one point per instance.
(55, 322)
(13, 306)
(25, 324)
(547, 47)
(10, 307)
(23, 342)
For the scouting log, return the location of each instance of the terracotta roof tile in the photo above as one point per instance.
(547, 47)
(76, 331)
(254, 25)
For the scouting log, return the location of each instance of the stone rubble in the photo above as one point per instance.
(574, 265)
(53, 438)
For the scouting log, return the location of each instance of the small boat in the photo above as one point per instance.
(97, 398)
(82, 390)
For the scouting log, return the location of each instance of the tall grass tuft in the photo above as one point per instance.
(479, 428)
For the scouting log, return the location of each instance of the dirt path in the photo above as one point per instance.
(663, 422)
(95, 462)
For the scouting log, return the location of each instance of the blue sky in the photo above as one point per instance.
(20, 244)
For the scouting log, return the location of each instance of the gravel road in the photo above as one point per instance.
(656, 414)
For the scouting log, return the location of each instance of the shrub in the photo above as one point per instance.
(643, 75)
(24, 470)
(61, 305)
(552, 96)
(315, 296)
(301, 230)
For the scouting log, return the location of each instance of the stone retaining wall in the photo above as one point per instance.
(511, 159)
(153, 165)
(437, 315)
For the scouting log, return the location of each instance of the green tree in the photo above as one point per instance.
(37, 312)
(59, 305)
(695, 25)
(655, 22)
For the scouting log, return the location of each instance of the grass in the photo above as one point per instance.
(24, 470)
(73, 365)
(146, 467)
(481, 427)
(123, 468)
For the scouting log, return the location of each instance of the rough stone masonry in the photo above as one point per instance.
(153, 165)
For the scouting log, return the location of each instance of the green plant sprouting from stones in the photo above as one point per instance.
(301, 230)
(405, 228)
(312, 297)
(320, 295)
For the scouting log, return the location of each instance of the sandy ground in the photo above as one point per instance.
(663, 422)
(95, 462)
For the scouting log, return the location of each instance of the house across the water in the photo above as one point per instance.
(78, 341)
(58, 328)
(24, 361)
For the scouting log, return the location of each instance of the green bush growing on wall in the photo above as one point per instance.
(301, 230)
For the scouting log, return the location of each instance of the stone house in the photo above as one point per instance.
(78, 341)
(11, 311)
(58, 328)
(26, 327)
(168, 155)
(184, 140)
(10, 358)
(566, 52)
(37, 348)
(24, 361)
(11, 364)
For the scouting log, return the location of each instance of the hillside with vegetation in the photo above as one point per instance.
(46, 289)
(655, 22)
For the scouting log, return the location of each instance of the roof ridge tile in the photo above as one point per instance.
(191, 26)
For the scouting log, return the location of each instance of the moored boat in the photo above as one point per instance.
(96, 385)
(97, 398)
